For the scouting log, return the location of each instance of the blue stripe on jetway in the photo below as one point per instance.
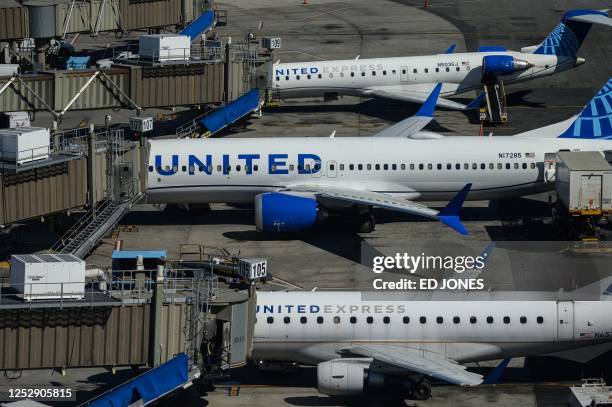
(199, 25)
(148, 386)
(228, 114)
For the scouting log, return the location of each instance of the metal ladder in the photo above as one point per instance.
(496, 102)
(91, 228)
(188, 130)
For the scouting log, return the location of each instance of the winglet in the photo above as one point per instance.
(449, 215)
(496, 374)
(429, 106)
(451, 49)
(476, 103)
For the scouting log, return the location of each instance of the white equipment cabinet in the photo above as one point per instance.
(24, 144)
(164, 47)
(11, 120)
(48, 276)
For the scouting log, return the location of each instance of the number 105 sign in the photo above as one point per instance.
(253, 268)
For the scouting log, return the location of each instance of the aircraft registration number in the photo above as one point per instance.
(510, 155)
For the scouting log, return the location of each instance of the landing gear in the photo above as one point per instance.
(421, 390)
(367, 224)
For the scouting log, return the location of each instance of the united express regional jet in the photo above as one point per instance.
(361, 343)
(296, 182)
(412, 78)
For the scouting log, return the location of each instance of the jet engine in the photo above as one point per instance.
(283, 212)
(496, 65)
(344, 377)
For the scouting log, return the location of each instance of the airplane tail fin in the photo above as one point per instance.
(569, 34)
(595, 119)
(594, 122)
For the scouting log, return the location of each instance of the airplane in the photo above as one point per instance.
(297, 182)
(413, 78)
(363, 342)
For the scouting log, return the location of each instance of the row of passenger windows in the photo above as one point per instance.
(372, 73)
(405, 320)
(367, 167)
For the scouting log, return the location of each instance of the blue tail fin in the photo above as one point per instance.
(595, 120)
(567, 37)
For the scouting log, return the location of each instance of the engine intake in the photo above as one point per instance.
(282, 212)
(496, 65)
(344, 378)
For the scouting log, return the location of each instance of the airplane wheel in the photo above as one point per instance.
(421, 390)
(367, 225)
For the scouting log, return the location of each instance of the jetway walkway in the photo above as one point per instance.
(215, 121)
(149, 386)
(200, 25)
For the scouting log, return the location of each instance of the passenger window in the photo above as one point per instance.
(377, 166)
(277, 79)
(403, 71)
(150, 168)
(524, 166)
(291, 168)
(319, 320)
(256, 167)
(308, 76)
(457, 166)
(384, 73)
(439, 320)
(386, 320)
(437, 69)
(297, 78)
(336, 320)
(353, 320)
(369, 320)
(373, 73)
(270, 320)
(457, 69)
(414, 71)
(540, 320)
(319, 76)
(369, 167)
(430, 166)
(523, 320)
(331, 167)
(218, 168)
(228, 168)
(363, 74)
(449, 166)
(516, 166)
(412, 166)
(466, 166)
(393, 72)
(352, 74)
(393, 167)
(342, 74)
(351, 167)
(341, 167)
(286, 320)
(331, 75)
(483, 166)
(473, 320)
(474, 166)
(489, 320)
(507, 166)
(303, 320)
(491, 166)
(406, 320)
(447, 69)
(499, 166)
(286, 78)
(532, 166)
(426, 70)
(360, 167)
(423, 320)
(184, 168)
(439, 166)
(506, 320)
(421, 166)
(385, 167)
(403, 166)
(456, 320)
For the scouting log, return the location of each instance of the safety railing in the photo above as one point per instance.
(197, 51)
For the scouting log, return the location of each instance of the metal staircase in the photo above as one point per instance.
(189, 130)
(496, 102)
(82, 238)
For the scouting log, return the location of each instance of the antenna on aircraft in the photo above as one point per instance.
(357, 57)
(333, 134)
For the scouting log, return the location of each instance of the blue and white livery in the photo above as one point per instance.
(413, 78)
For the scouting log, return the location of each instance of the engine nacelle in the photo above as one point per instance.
(344, 378)
(282, 212)
(496, 65)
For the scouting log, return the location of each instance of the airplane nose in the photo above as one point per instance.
(579, 61)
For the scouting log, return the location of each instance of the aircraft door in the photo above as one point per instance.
(403, 74)
(332, 169)
(565, 320)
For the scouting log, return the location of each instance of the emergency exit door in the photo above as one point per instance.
(403, 74)
(565, 320)
(332, 169)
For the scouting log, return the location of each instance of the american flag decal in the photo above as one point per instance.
(586, 335)
(465, 63)
(530, 155)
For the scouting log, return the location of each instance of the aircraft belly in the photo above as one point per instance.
(220, 194)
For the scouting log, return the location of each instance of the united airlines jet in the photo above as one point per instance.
(296, 182)
(362, 343)
(412, 78)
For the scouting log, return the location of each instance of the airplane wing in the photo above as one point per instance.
(416, 123)
(429, 364)
(414, 97)
(448, 215)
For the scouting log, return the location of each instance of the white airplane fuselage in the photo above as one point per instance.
(308, 327)
(220, 170)
(459, 73)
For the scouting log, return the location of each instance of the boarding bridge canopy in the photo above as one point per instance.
(230, 113)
